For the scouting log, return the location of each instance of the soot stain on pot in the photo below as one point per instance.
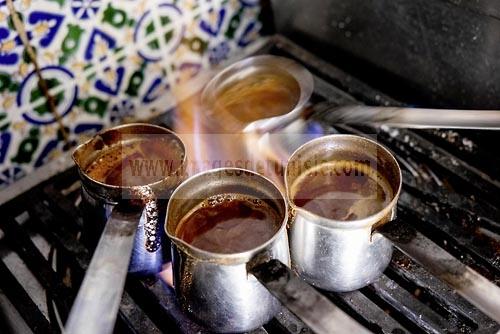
(183, 281)
(151, 226)
(291, 217)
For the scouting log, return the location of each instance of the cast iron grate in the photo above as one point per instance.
(448, 196)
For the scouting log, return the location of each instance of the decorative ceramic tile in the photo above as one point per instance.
(104, 62)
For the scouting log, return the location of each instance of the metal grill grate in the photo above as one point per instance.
(448, 196)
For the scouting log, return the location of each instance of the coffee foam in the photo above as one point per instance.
(342, 190)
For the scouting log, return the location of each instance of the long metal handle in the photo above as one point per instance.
(314, 309)
(475, 288)
(96, 305)
(419, 118)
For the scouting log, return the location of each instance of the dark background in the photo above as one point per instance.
(440, 53)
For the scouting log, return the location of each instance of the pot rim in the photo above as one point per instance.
(227, 258)
(299, 73)
(130, 188)
(343, 224)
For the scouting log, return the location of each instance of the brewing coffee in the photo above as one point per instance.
(229, 223)
(342, 190)
(262, 94)
(139, 162)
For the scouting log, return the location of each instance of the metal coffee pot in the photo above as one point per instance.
(347, 255)
(340, 255)
(128, 218)
(287, 69)
(239, 292)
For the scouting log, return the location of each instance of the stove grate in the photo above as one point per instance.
(447, 196)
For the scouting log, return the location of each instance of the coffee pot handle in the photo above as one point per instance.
(314, 309)
(475, 288)
(96, 305)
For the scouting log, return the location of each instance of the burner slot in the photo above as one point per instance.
(367, 312)
(437, 293)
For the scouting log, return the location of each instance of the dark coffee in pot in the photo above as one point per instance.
(262, 94)
(229, 223)
(138, 162)
(342, 190)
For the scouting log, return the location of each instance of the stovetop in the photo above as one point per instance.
(450, 195)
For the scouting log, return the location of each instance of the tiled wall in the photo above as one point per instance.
(103, 61)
